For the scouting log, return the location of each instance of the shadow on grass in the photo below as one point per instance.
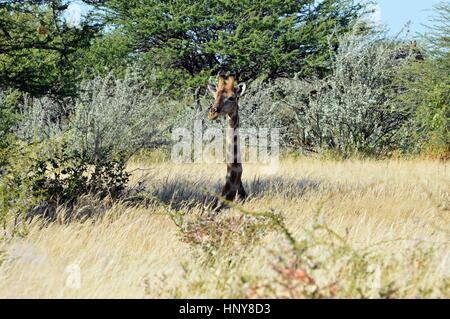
(187, 192)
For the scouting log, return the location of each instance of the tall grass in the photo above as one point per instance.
(316, 229)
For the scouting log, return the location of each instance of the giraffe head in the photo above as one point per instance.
(225, 97)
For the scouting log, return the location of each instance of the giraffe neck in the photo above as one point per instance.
(233, 184)
(233, 141)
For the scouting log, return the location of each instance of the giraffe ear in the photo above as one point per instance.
(241, 89)
(212, 88)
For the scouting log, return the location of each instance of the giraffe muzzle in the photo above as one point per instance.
(213, 114)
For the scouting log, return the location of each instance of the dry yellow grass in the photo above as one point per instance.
(395, 211)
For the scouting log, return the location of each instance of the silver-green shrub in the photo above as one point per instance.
(353, 110)
(109, 117)
(42, 118)
(118, 115)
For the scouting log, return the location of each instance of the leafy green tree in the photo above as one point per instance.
(38, 47)
(188, 41)
(107, 54)
(428, 94)
(7, 120)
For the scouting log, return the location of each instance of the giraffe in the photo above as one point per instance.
(226, 98)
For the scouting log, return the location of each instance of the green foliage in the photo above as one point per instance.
(38, 47)
(16, 185)
(428, 94)
(7, 120)
(107, 54)
(431, 98)
(189, 41)
(62, 176)
(39, 177)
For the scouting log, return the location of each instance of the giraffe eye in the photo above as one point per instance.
(231, 98)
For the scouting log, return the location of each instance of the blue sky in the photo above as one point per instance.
(394, 13)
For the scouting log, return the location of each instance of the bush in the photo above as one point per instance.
(39, 177)
(7, 120)
(118, 118)
(429, 99)
(428, 94)
(352, 110)
(61, 176)
(16, 185)
(111, 118)
(81, 147)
